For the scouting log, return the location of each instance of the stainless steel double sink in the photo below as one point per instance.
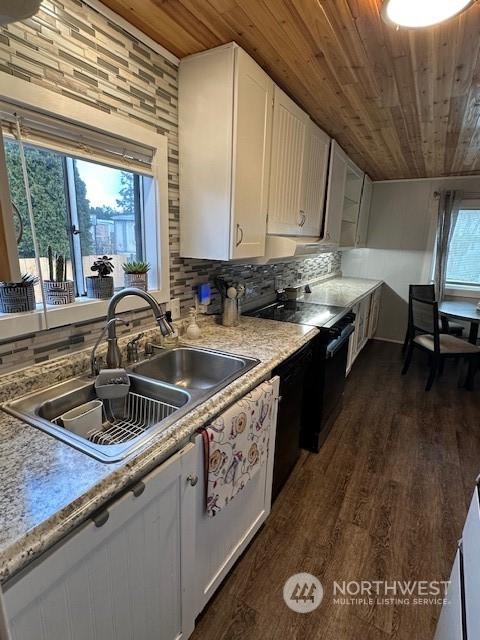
(163, 388)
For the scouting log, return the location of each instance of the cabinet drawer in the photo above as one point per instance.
(450, 623)
(471, 566)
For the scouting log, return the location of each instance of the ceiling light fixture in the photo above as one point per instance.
(422, 13)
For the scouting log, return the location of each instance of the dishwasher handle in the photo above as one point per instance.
(335, 345)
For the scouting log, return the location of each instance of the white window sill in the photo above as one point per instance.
(463, 292)
(13, 325)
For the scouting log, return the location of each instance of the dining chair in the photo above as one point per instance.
(427, 292)
(425, 335)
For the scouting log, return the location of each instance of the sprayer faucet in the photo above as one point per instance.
(114, 357)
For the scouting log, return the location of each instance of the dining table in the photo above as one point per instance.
(462, 309)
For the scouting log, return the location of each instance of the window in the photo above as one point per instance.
(98, 186)
(81, 209)
(463, 262)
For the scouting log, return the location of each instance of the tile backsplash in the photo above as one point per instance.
(71, 49)
(261, 280)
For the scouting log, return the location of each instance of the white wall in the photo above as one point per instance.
(401, 234)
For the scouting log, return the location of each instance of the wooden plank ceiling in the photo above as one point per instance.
(403, 104)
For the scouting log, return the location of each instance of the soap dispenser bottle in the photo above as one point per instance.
(193, 330)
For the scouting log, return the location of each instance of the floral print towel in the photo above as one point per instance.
(236, 446)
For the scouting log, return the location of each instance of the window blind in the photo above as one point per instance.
(80, 141)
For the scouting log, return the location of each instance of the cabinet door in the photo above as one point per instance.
(471, 566)
(352, 344)
(253, 113)
(205, 110)
(317, 148)
(450, 623)
(221, 539)
(363, 318)
(374, 311)
(362, 227)
(335, 194)
(286, 173)
(129, 577)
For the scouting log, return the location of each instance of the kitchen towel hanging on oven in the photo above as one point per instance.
(236, 446)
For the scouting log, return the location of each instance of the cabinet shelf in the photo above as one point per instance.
(348, 233)
(349, 200)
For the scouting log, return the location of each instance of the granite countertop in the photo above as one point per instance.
(49, 488)
(341, 291)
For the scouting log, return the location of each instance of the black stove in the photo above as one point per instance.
(309, 409)
(299, 312)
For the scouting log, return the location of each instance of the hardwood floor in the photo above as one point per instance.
(385, 499)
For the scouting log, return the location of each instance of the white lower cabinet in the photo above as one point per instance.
(471, 566)
(450, 623)
(129, 578)
(366, 319)
(374, 311)
(221, 539)
(460, 618)
(146, 565)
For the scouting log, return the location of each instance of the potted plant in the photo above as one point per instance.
(101, 285)
(136, 274)
(16, 297)
(57, 289)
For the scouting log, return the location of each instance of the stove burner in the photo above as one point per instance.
(298, 312)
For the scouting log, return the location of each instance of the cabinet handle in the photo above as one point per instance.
(327, 236)
(239, 228)
(192, 479)
(101, 518)
(303, 218)
(138, 489)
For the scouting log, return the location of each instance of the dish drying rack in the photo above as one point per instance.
(127, 418)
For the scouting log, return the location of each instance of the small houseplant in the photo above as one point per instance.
(136, 274)
(101, 285)
(16, 297)
(57, 289)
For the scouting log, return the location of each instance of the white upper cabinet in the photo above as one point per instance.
(285, 205)
(351, 205)
(225, 116)
(317, 148)
(363, 216)
(344, 196)
(337, 176)
(298, 171)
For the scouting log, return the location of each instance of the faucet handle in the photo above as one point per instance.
(97, 364)
(135, 340)
(132, 348)
(151, 347)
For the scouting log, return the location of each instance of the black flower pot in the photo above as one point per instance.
(99, 287)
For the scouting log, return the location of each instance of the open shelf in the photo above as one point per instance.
(348, 234)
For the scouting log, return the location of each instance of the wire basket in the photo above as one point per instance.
(127, 418)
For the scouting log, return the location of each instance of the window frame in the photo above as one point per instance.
(468, 290)
(154, 201)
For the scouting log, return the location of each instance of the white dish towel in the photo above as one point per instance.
(236, 446)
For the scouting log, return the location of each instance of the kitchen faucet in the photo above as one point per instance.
(94, 361)
(114, 357)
